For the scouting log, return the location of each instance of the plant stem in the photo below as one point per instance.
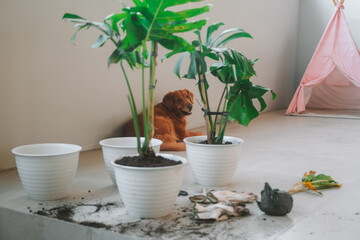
(150, 114)
(218, 108)
(145, 113)
(223, 120)
(133, 110)
(205, 100)
(153, 63)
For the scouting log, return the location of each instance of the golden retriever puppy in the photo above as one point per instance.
(170, 120)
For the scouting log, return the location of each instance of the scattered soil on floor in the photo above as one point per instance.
(149, 161)
(66, 213)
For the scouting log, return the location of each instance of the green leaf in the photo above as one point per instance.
(273, 94)
(200, 63)
(262, 104)
(71, 16)
(114, 19)
(169, 16)
(116, 56)
(210, 31)
(223, 72)
(257, 91)
(100, 41)
(176, 44)
(243, 110)
(224, 33)
(197, 32)
(135, 31)
(234, 36)
(213, 56)
(177, 28)
(178, 64)
(244, 69)
(192, 71)
(196, 43)
(75, 34)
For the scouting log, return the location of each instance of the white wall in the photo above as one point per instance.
(314, 15)
(51, 91)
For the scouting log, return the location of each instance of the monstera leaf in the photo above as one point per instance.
(146, 20)
(151, 20)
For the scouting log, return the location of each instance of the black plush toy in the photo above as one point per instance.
(275, 202)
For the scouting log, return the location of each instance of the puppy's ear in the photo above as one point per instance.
(168, 100)
(191, 95)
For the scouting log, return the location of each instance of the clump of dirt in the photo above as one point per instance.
(149, 161)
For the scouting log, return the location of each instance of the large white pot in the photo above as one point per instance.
(115, 148)
(213, 164)
(46, 170)
(149, 192)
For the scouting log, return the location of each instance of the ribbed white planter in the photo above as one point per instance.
(115, 148)
(47, 170)
(149, 192)
(213, 164)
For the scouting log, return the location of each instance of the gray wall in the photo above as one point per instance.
(51, 91)
(314, 16)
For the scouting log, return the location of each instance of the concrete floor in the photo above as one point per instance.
(278, 149)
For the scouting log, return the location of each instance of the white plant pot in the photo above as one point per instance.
(213, 164)
(115, 148)
(47, 170)
(149, 192)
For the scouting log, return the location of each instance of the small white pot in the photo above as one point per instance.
(213, 164)
(47, 170)
(149, 192)
(115, 148)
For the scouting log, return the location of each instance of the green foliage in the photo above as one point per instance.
(320, 181)
(130, 30)
(232, 69)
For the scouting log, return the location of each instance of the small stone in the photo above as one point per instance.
(264, 219)
(89, 191)
(183, 193)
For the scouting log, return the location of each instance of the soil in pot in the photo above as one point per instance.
(206, 142)
(149, 161)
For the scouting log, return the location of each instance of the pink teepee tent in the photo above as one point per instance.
(332, 78)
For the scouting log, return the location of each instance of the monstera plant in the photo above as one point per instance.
(135, 33)
(234, 71)
(130, 31)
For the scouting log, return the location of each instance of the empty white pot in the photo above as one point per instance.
(149, 192)
(213, 164)
(115, 148)
(47, 170)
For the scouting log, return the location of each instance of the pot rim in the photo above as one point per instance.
(204, 137)
(104, 144)
(71, 148)
(182, 159)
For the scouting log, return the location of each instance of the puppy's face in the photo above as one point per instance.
(180, 101)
